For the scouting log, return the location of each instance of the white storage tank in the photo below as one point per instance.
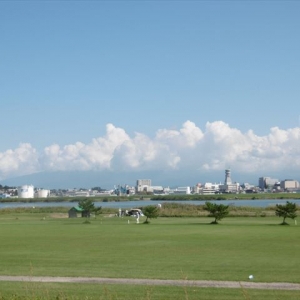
(26, 191)
(42, 193)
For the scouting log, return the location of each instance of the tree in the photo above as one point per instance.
(218, 211)
(97, 188)
(151, 212)
(287, 210)
(88, 206)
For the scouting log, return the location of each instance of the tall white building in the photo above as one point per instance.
(143, 185)
(227, 177)
(229, 186)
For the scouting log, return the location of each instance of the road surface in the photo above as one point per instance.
(192, 283)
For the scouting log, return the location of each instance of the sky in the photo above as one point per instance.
(149, 88)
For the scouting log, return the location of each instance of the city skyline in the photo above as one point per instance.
(178, 91)
(78, 180)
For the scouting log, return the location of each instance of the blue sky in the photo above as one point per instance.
(150, 85)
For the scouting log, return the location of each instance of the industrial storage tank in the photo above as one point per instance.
(42, 193)
(26, 191)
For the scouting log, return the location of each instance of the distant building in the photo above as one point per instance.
(4, 196)
(207, 189)
(124, 190)
(265, 183)
(75, 193)
(158, 190)
(101, 193)
(227, 177)
(289, 185)
(186, 190)
(247, 188)
(143, 185)
(229, 186)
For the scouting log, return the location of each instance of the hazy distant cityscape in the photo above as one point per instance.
(144, 186)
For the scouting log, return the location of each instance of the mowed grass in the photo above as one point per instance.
(168, 248)
(67, 291)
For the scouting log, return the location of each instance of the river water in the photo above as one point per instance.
(133, 204)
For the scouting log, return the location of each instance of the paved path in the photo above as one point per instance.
(196, 283)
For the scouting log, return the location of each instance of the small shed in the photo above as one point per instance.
(74, 211)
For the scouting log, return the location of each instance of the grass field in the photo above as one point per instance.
(66, 291)
(168, 248)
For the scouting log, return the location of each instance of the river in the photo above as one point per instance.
(133, 204)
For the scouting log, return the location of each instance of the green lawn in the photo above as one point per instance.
(67, 291)
(168, 248)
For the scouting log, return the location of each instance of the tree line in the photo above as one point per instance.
(216, 211)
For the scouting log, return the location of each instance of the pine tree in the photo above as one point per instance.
(151, 212)
(287, 210)
(217, 211)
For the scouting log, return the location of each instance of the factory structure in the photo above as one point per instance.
(28, 191)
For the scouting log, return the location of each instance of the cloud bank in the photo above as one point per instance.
(216, 147)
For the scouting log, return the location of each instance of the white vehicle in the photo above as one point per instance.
(134, 211)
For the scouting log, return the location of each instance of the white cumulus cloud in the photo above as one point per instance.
(94, 156)
(20, 161)
(215, 147)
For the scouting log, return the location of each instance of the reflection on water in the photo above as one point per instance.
(132, 204)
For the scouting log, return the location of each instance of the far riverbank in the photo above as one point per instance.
(262, 203)
(172, 197)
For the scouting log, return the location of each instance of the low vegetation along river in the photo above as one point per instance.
(141, 203)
